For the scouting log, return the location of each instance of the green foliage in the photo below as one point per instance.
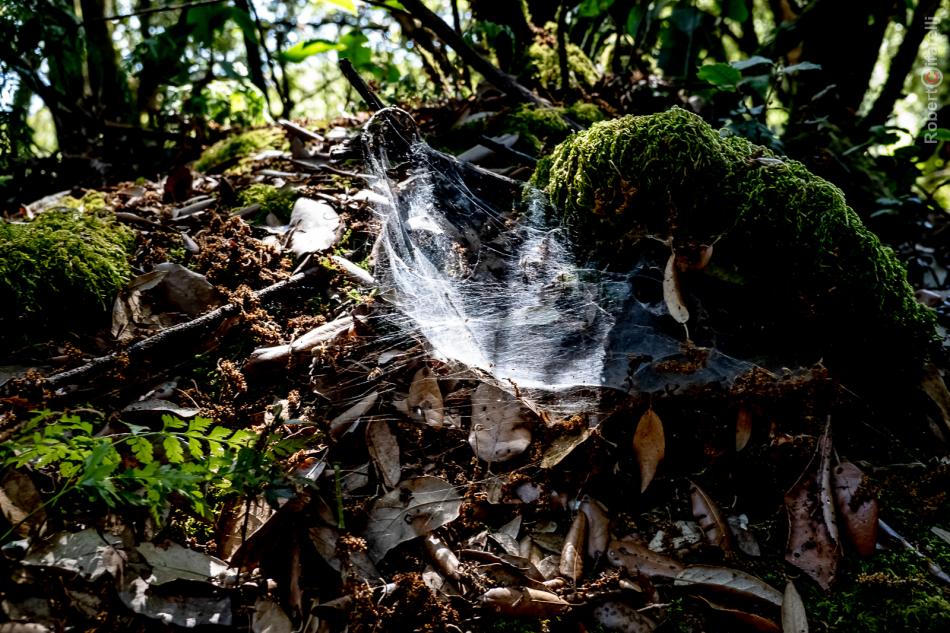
(276, 200)
(229, 103)
(75, 256)
(194, 462)
(547, 69)
(230, 151)
(671, 175)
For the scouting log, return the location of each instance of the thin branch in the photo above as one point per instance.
(360, 86)
(171, 7)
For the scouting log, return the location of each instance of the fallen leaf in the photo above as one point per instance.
(524, 602)
(185, 608)
(753, 621)
(858, 507)
(794, 619)
(743, 428)
(707, 514)
(499, 422)
(649, 444)
(728, 581)
(88, 553)
(341, 423)
(620, 617)
(598, 527)
(933, 386)
(637, 558)
(314, 226)
(671, 292)
(813, 541)
(384, 449)
(23, 627)
(442, 555)
(20, 503)
(270, 618)
(572, 554)
(171, 561)
(744, 537)
(561, 447)
(415, 508)
(425, 399)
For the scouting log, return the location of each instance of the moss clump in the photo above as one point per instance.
(547, 70)
(226, 153)
(70, 260)
(775, 224)
(276, 200)
(541, 128)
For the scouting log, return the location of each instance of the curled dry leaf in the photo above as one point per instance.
(671, 292)
(384, 449)
(614, 615)
(561, 447)
(572, 554)
(812, 533)
(415, 508)
(857, 506)
(637, 558)
(425, 398)
(743, 428)
(343, 422)
(753, 621)
(315, 226)
(728, 581)
(524, 602)
(442, 555)
(20, 502)
(649, 443)
(499, 421)
(598, 527)
(707, 514)
(794, 619)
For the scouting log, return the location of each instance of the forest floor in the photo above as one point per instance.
(295, 461)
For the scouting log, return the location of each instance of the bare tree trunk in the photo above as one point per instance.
(255, 62)
(107, 83)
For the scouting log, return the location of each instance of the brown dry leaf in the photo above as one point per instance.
(572, 554)
(743, 428)
(858, 507)
(561, 447)
(729, 581)
(707, 514)
(20, 502)
(620, 617)
(499, 421)
(649, 443)
(524, 602)
(794, 619)
(343, 422)
(631, 554)
(384, 449)
(812, 533)
(425, 398)
(598, 527)
(442, 555)
(934, 387)
(270, 618)
(753, 621)
(671, 292)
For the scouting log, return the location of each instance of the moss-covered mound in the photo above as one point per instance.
(229, 152)
(67, 264)
(774, 224)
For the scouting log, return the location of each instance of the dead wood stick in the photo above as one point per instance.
(360, 86)
(171, 336)
(504, 82)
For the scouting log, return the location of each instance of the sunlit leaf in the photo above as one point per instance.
(723, 76)
(302, 50)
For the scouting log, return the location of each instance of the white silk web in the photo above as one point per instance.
(501, 290)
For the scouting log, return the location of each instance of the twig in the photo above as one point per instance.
(171, 336)
(171, 7)
(504, 82)
(501, 148)
(360, 86)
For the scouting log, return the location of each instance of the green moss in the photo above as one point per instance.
(70, 260)
(585, 113)
(231, 150)
(547, 69)
(540, 127)
(277, 200)
(889, 592)
(671, 175)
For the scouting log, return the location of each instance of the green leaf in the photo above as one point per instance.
(199, 425)
(800, 67)
(141, 448)
(356, 50)
(170, 422)
(194, 447)
(346, 5)
(173, 450)
(940, 134)
(735, 10)
(634, 18)
(593, 8)
(302, 50)
(723, 76)
(756, 60)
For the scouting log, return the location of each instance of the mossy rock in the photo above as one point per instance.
(543, 127)
(775, 227)
(68, 263)
(229, 153)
